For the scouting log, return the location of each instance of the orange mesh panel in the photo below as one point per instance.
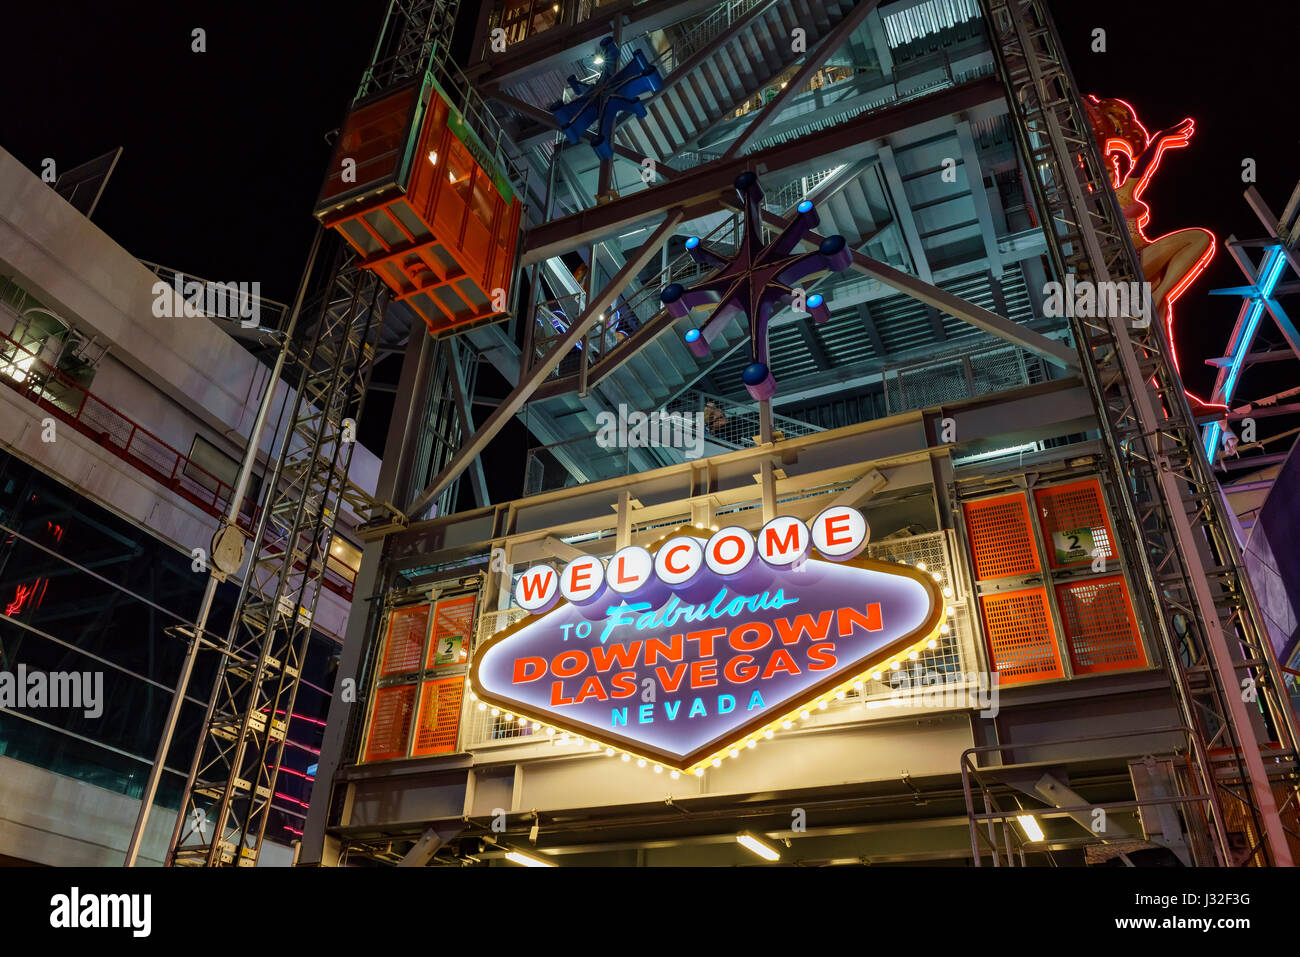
(453, 630)
(390, 722)
(429, 167)
(435, 732)
(1022, 643)
(372, 136)
(405, 641)
(1099, 626)
(1071, 514)
(1000, 536)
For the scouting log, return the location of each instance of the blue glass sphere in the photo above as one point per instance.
(831, 245)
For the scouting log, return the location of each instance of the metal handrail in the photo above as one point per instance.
(969, 770)
(742, 418)
(644, 300)
(797, 189)
(276, 308)
(737, 429)
(30, 376)
(473, 108)
(973, 358)
(701, 33)
(889, 100)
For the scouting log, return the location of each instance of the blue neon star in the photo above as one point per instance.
(607, 102)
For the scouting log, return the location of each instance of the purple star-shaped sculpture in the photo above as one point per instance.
(756, 282)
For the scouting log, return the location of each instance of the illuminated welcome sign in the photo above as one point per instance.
(684, 655)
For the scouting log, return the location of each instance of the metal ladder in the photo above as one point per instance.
(1223, 672)
(232, 781)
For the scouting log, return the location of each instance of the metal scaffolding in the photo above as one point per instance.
(1222, 668)
(1192, 594)
(232, 781)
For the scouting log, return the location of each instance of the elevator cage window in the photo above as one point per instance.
(420, 679)
(1051, 599)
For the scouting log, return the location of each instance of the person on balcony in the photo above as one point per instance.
(715, 420)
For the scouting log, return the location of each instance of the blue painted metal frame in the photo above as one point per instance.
(607, 102)
(1258, 296)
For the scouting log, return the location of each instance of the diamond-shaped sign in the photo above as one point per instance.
(679, 674)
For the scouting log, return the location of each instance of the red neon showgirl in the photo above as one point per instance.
(1170, 263)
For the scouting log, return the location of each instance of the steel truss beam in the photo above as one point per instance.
(1190, 570)
(662, 319)
(461, 392)
(553, 49)
(537, 374)
(1050, 349)
(232, 781)
(699, 191)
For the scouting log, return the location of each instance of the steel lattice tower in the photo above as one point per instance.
(232, 781)
(1225, 677)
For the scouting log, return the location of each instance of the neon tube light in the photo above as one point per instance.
(1272, 269)
(1113, 146)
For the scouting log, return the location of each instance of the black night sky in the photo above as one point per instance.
(224, 151)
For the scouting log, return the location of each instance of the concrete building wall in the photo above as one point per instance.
(173, 375)
(51, 819)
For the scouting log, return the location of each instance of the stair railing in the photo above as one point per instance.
(701, 33)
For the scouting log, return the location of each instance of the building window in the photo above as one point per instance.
(208, 466)
(344, 558)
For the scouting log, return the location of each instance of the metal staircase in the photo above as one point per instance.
(717, 68)
(713, 67)
(721, 63)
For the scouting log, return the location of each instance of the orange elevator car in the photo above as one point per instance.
(421, 200)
